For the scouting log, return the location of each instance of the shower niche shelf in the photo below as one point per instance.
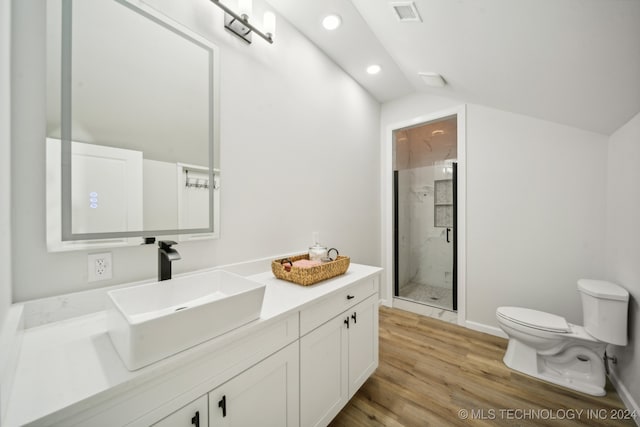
(443, 203)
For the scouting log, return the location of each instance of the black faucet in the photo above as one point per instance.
(166, 255)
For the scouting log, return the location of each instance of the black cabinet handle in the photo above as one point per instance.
(354, 316)
(346, 322)
(448, 231)
(223, 404)
(196, 419)
(350, 297)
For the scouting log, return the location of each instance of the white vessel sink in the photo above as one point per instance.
(147, 323)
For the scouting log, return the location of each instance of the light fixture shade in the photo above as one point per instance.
(432, 79)
(269, 23)
(244, 7)
(238, 23)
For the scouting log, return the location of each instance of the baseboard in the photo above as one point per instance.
(425, 310)
(481, 327)
(10, 342)
(626, 397)
(623, 392)
(445, 315)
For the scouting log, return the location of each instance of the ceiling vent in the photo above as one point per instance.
(406, 11)
(432, 79)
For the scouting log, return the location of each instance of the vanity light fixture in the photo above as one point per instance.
(331, 22)
(374, 69)
(238, 23)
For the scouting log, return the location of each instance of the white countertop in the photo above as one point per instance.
(72, 363)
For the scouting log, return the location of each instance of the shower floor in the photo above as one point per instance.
(436, 296)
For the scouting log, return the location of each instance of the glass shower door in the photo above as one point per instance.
(424, 227)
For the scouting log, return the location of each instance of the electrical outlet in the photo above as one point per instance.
(99, 267)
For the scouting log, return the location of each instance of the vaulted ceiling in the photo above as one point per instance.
(575, 62)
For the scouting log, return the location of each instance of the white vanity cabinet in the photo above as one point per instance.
(324, 362)
(195, 414)
(338, 356)
(265, 395)
(297, 366)
(363, 342)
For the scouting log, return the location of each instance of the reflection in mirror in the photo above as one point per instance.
(118, 176)
(132, 120)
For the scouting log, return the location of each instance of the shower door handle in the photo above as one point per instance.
(448, 240)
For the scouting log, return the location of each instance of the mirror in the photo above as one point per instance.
(132, 125)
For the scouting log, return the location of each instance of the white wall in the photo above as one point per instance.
(299, 154)
(623, 242)
(535, 208)
(535, 213)
(5, 159)
(5, 202)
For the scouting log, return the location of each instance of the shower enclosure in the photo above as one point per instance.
(425, 213)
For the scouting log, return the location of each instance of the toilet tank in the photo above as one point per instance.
(604, 310)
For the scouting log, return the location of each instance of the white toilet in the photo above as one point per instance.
(545, 346)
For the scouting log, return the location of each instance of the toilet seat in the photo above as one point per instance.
(534, 319)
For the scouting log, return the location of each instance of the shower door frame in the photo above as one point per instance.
(388, 239)
(454, 249)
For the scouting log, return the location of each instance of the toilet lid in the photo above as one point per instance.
(534, 319)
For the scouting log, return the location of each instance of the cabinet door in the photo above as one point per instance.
(363, 342)
(323, 372)
(195, 414)
(265, 395)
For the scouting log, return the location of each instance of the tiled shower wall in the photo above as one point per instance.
(424, 255)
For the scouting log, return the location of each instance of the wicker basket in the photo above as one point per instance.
(311, 275)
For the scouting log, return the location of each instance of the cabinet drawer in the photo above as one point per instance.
(317, 314)
(195, 413)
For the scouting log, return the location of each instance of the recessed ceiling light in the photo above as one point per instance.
(437, 132)
(374, 69)
(331, 22)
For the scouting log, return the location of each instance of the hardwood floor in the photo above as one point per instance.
(434, 373)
